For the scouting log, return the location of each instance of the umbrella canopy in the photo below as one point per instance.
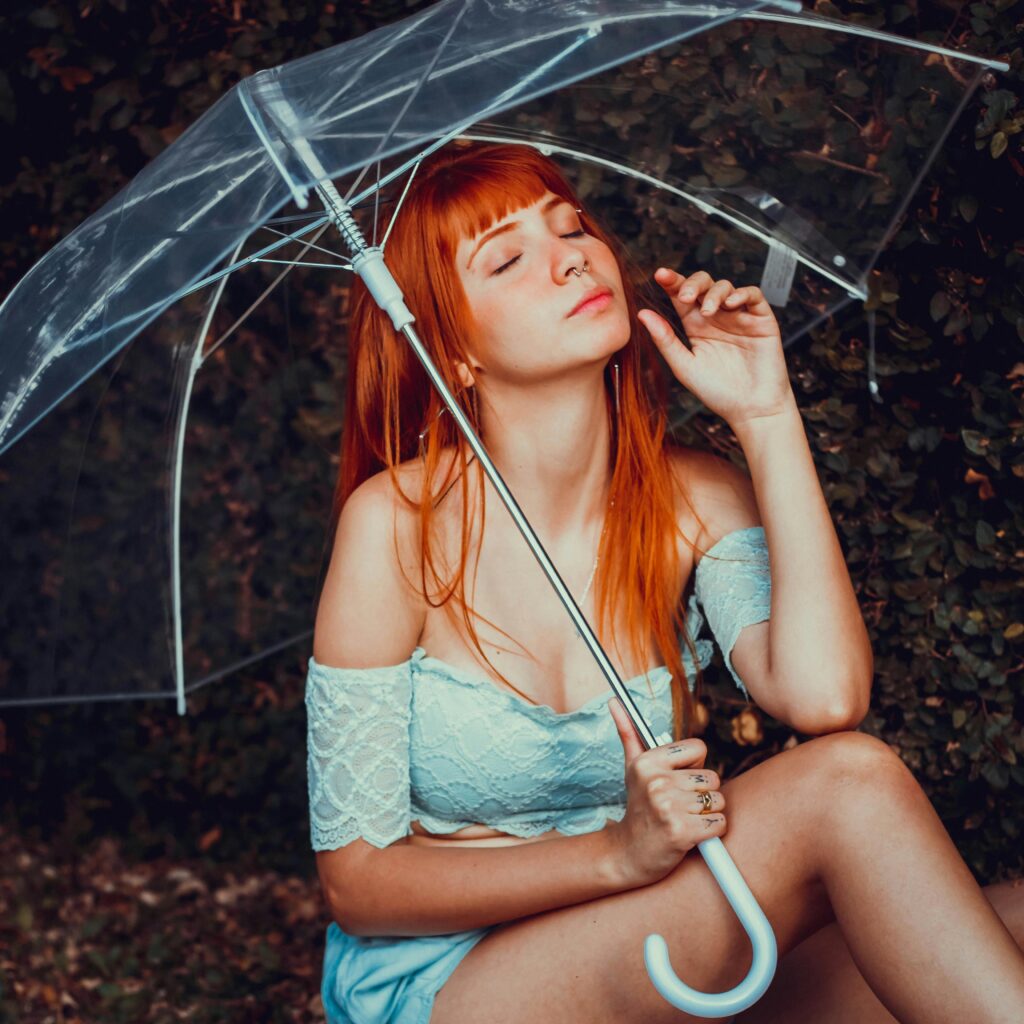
(698, 129)
(369, 111)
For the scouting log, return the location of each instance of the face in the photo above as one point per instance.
(532, 317)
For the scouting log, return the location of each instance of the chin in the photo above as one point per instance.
(615, 334)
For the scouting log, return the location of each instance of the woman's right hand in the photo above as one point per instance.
(662, 820)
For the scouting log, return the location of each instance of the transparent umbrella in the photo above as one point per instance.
(764, 144)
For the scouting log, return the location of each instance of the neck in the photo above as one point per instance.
(551, 444)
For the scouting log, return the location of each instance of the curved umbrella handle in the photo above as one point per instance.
(753, 919)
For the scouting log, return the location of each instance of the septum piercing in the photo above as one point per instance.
(580, 273)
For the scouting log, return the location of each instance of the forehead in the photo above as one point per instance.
(544, 203)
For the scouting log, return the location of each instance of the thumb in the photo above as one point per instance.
(678, 357)
(632, 744)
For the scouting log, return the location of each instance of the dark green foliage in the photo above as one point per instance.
(925, 487)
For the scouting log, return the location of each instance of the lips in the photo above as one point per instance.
(595, 293)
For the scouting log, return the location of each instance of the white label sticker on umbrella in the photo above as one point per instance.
(777, 279)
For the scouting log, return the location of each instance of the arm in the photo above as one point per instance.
(426, 890)
(816, 624)
(369, 617)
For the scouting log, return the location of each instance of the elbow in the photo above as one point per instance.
(844, 715)
(339, 892)
(842, 720)
(339, 908)
(347, 920)
(341, 911)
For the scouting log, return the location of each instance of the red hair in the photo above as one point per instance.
(459, 192)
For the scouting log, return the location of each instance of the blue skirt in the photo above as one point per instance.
(388, 980)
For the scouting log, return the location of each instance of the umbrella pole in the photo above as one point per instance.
(368, 263)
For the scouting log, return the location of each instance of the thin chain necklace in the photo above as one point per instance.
(586, 589)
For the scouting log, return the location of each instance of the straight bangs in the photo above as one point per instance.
(470, 199)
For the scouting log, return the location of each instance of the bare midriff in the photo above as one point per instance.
(471, 835)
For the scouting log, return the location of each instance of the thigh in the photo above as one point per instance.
(818, 981)
(585, 962)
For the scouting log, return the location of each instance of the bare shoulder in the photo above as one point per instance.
(720, 495)
(369, 612)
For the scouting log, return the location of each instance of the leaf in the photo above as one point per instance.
(968, 206)
(44, 17)
(975, 441)
(853, 87)
(998, 145)
(996, 773)
(939, 306)
(909, 521)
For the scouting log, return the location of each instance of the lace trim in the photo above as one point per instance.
(357, 760)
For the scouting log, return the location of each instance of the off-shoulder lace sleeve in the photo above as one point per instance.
(357, 754)
(735, 588)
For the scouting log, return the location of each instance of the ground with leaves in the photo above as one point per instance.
(112, 940)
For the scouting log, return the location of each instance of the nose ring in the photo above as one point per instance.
(580, 273)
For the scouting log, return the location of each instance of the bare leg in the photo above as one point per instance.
(818, 981)
(814, 832)
(945, 955)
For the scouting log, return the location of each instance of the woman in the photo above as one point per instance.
(478, 849)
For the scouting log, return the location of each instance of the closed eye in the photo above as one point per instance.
(578, 233)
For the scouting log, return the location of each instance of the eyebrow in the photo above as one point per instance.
(511, 226)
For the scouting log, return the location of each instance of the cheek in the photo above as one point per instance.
(495, 319)
(608, 266)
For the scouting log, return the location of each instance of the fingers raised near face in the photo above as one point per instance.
(712, 296)
(715, 296)
(685, 292)
(752, 297)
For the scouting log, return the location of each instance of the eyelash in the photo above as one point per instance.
(500, 270)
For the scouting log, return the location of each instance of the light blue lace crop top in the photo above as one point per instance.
(426, 741)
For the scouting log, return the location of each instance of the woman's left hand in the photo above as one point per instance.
(735, 363)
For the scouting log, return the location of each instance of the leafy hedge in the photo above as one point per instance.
(925, 486)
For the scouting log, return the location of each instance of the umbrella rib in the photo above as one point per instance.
(413, 25)
(460, 128)
(61, 348)
(825, 24)
(809, 22)
(376, 208)
(310, 245)
(851, 286)
(202, 283)
(100, 302)
(306, 263)
(870, 33)
(401, 200)
(413, 93)
(220, 673)
(270, 287)
(194, 364)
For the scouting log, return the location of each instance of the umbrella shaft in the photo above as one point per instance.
(368, 263)
(532, 541)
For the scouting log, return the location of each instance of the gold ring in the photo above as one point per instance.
(705, 797)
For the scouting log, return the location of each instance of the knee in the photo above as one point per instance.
(856, 759)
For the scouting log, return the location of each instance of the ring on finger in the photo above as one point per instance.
(705, 798)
